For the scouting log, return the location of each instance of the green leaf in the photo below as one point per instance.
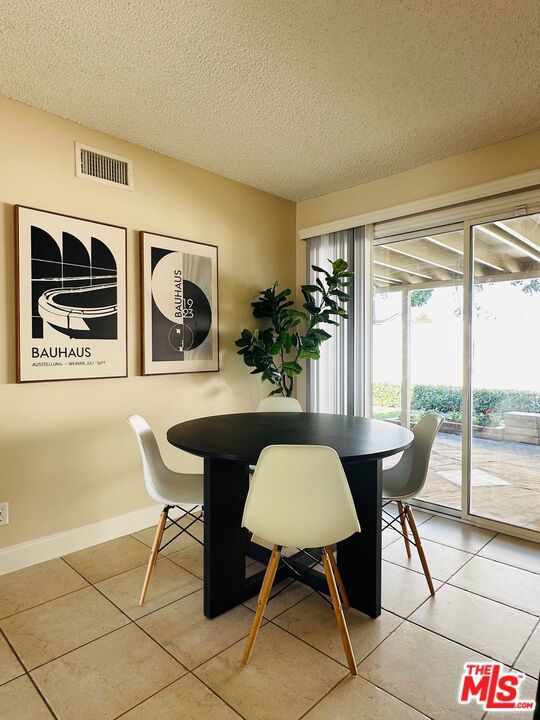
(311, 355)
(311, 288)
(316, 268)
(339, 265)
(291, 368)
(320, 334)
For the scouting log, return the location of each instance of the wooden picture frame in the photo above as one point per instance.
(71, 297)
(179, 305)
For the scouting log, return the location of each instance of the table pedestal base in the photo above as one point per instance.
(226, 543)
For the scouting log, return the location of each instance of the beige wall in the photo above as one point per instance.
(454, 173)
(67, 457)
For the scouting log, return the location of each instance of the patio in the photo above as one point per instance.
(505, 485)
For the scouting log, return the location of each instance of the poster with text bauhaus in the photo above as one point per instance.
(179, 306)
(71, 297)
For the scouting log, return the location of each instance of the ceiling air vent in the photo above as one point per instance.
(103, 167)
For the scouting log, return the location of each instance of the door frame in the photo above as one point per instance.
(525, 203)
(467, 397)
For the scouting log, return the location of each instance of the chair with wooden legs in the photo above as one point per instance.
(168, 488)
(406, 480)
(309, 478)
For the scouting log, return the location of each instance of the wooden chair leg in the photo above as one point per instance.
(263, 599)
(339, 579)
(338, 610)
(421, 554)
(154, 553)
(404, 530)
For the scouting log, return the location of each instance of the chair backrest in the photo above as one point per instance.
(410, 473)
(278, 403)
(153, 466)
(299, 497)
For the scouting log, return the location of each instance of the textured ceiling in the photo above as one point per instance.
(299, 98)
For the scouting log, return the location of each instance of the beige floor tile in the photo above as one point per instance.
(186, 699)
(529, 659)
(284, 678)
(513, 551)
(390, 536)
(54, 628)
(19, 700)
(403, 590)
(107, 677)
(190, 558)
(10, 667)
(509, 585)
(31, 586)
(169, 582)
(476, 622)
(109, 558)
(192, 638)
(424, 670)
(294, 592)
(254, 568)
(184, 540)
(527, 691)
(356, 698)
(314, 621)
(443, 561)
(456, 534)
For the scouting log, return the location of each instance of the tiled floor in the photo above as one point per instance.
(75, 645)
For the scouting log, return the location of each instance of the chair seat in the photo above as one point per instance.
(180, 488)
(390, 493)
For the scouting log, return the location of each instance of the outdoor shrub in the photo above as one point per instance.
(387, 394)
(489, 404)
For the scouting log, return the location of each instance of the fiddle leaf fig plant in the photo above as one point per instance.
(290, 334)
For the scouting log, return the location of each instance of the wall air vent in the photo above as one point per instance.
(103, 167)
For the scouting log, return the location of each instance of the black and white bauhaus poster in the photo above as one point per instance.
(71, 297)
(179, 305)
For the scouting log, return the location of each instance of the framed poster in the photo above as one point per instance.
(71, 297)
(179, 305)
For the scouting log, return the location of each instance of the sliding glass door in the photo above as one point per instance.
(503, 448)
(417, 345)
(456, 330)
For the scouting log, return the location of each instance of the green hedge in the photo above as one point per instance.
(447, 399)
(387, 394)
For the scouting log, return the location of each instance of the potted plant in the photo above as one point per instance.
(292, 334)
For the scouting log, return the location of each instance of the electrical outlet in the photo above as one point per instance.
(4, 513)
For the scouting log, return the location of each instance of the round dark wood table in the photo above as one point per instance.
(229, 444)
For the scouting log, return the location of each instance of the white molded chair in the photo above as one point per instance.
(172, 489)
(278, 403)
(406, 480)
(311, 477)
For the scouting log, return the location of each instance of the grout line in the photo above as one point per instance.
(214, 692)
(125, 712)
(94, 582)
(71, 592)
(472, 592)
(317, 702)
(88, 642)
(525, 643)
(27, 674)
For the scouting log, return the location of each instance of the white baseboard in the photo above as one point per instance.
(49, 547)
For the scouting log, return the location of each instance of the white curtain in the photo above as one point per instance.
(331, 379)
